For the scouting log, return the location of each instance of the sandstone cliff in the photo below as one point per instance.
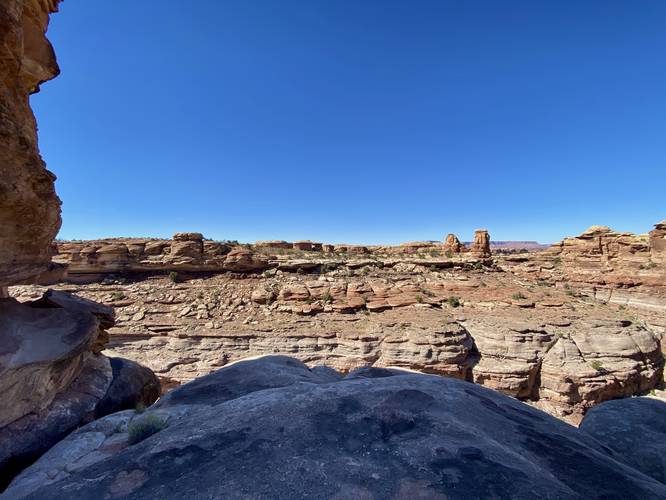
(53, 377)
(611, 266)
(29, 207)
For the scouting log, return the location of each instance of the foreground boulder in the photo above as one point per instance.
(635, 429)
(272, 428)
(53, 377)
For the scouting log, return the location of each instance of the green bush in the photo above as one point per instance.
(327, 297)
(597, 365)
(173, 277)
(518, 296)
(419, 298)
(144, 427)
(453, 301)
(117, 295)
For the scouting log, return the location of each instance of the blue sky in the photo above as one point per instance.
(371, 121)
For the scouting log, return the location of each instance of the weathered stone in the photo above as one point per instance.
(452, 244)
(29, 207)
(52, 376)
(635, 429)
(273, 428)
(481, 244)
(132, 386)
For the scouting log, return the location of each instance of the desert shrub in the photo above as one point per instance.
(570, 292)
(453, 301)
(518, 296)
(597, 365)
(449, 254)
(144, 427)
(326, 268)
(327, 297)
(173, 277)
(117, 295)
(419, 298)
(557, 260)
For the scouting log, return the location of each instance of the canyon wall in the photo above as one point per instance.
(53, 377)
(192, 253)
(29, 207)
(611, 266)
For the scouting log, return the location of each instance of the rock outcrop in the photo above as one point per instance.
(481, 245)
(452, 244)
(191, 253)
(52, 375)
(29, 207)
(186, 252)
(635, 430)
(610, 266)
(529, 339)
(657, 243)
(53, 378)
(271, 427)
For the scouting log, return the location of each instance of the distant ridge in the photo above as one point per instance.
(515, 245)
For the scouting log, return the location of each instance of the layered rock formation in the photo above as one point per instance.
(657, 243)
(452, 244)
(611, 266)
(53, 378)
(272, 428)
(530, 340)
(481, 244)
(52, 375)
(29, 207)
(191, 253)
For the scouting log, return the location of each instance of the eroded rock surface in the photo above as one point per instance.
(273, 428)
(52, 375)
(529, 338)
(29, 207)
(610, 266)
(191, 253)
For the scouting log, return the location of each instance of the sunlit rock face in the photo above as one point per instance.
(29, 207)
(481, 244)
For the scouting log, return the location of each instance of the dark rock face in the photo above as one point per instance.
(53, 377)
(272, 428)
(133, 385)
(633, 428)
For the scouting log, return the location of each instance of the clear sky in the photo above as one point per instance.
(373, 121)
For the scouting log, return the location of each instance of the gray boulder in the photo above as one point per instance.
(272, 428)
(133, 385)
(53, 377)
(635, 429)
